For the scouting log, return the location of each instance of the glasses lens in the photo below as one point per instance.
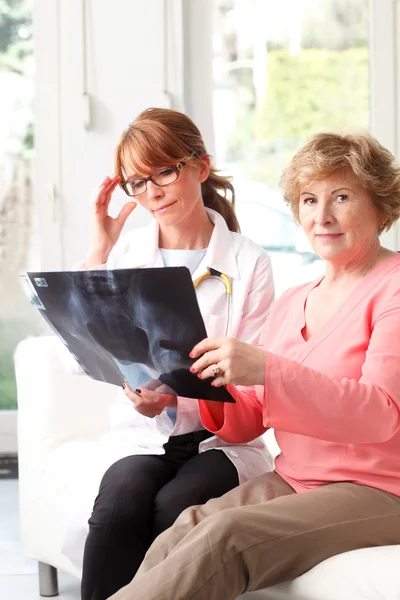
(165, 176)
(136, 187)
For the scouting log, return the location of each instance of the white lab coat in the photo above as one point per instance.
(249, 268)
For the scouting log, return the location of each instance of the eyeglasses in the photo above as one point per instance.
(162, 177)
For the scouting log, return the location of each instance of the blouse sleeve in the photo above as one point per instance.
(243, 421)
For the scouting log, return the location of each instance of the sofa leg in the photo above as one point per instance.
(48, 583)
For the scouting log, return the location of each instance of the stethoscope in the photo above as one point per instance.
(224, 279)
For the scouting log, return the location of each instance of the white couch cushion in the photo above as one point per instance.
(366, 574)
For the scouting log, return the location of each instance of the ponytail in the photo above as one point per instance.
(218, 202)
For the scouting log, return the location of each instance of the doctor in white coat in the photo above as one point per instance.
(172, 462)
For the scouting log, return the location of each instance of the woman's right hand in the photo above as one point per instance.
(105, 230)
(239, 363)
(148, 403)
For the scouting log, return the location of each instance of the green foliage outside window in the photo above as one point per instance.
(16, 41)
(16, 317)
(317, 90)
(11, 332)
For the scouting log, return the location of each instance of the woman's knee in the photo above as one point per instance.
(172, 500)
(190, 490)
(116, 497)
(167, 507)
(223, 525)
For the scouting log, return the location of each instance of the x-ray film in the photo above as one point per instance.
(133, 325)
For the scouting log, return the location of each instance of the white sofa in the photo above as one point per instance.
(61, 420)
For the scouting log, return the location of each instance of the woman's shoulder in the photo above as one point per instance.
(383, 287)
(384, 280)
(244, 246)
(297, 292)
(389, 270)
(252, 260)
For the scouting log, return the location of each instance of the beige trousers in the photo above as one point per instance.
(259, 534)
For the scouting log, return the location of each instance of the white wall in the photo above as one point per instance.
(124, 47)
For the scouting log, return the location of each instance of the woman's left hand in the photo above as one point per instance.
(149, 403)
(239, 363)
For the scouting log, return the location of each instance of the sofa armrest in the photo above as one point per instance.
(53, 404)
(60, 415)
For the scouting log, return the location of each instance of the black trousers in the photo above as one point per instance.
(139, 497)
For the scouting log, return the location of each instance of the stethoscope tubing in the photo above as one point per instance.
(224, 279)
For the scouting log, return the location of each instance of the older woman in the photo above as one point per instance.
(326, 377)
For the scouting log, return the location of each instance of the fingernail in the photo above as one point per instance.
(138, 391)
(123, 386)
(199, 375)
(213, 384)
(192, 370)
(191, 354)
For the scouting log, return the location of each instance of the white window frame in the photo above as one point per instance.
(384, 84)
(47, 171)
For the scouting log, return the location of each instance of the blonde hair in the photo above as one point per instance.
(159, 137)
(326, 153)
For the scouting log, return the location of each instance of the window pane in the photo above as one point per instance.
(17, 216)
(283, 70)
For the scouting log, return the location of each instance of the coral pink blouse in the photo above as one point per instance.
(334, 400)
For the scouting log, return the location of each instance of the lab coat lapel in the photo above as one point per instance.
(150, 254)
(220, 253)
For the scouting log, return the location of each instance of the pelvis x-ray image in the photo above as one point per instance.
(133, 325)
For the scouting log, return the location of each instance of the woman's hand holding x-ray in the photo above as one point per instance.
(149, 403)
(105, 230)
(239, 363)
